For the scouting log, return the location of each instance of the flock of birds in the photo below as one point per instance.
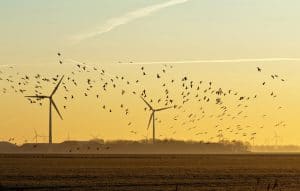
(192, 100)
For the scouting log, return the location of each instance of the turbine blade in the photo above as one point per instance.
(56, 87)
(151, 116)
(37, 97)
(147, 103)
(55, 107)
(163, 108)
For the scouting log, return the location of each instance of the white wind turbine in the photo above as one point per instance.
(51, 103)
(152, 116)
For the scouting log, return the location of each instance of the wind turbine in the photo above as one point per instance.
(276, 138)
(68, 137)
(253, 138)
(51, 103)
(152, 116)
(95, 137)
(36, 136)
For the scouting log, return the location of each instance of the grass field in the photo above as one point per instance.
(150, 172)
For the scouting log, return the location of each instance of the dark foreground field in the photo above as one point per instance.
(150, 172)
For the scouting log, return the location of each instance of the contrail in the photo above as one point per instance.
(128, 17)
(218, 61)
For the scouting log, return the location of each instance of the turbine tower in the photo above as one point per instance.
(152, 116)
(51, 103)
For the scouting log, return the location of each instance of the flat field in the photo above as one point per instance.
(150, 172)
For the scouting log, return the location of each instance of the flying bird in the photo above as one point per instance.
(258, 69)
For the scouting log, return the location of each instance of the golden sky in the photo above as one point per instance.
(103, 33)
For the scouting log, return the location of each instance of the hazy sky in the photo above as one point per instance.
(104, 32)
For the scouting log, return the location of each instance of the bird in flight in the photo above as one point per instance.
(259, 69)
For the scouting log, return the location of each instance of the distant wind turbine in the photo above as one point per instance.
(68, 137)
(152, 116)
(36, 136)
(94, 137)
(51, 103)
(276, 138)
